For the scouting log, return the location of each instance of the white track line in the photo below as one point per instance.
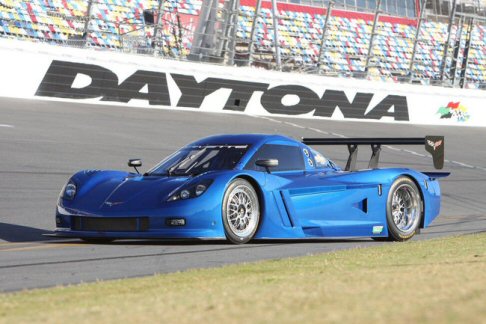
(295, 125)
(319, 131)
(391, 148)
(414, 153)
(7, 126)
(464, 165)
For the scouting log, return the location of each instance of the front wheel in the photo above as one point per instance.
(403, 209)
(241, 211)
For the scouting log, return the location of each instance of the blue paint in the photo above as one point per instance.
(314, 202)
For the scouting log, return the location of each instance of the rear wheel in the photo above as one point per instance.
(241, 211)
(403, 210)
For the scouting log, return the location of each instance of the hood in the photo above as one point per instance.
(117, 192)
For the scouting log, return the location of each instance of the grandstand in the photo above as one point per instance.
(394, 42)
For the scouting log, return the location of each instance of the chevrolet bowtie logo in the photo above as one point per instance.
(113, 203)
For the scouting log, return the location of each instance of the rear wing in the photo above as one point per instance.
(433, 144)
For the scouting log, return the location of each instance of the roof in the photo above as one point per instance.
(237, 139)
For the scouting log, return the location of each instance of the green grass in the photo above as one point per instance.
(440, 281)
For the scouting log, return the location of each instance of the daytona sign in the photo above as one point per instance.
(59, 82)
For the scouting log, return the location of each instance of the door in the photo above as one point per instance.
(312, 195)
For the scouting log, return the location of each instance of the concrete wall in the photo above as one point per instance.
(42, 71)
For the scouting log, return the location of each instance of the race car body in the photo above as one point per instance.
(254, 186)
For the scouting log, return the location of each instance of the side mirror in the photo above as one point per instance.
(134, 163)
(267, 163)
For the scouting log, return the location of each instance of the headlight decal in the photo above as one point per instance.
(70, 190)
(200, 189)
(192, 191)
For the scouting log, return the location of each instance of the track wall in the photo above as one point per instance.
(41, 71)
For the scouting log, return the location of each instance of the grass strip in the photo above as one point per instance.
(440, 281)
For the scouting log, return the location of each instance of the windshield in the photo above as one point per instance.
(192, 160)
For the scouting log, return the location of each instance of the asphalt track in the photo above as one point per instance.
(43, 142)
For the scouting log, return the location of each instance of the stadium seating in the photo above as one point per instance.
(114, 22)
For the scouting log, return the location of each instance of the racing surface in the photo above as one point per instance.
(43, 142)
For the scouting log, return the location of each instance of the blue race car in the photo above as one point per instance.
(254, 186)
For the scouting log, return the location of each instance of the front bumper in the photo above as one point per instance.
(151, 234)
(157, 224)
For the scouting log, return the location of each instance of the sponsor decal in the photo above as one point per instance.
(105, 84)
(454, 111)
(377, 229)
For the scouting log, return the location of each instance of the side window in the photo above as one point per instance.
(289, 157)
(321, 161)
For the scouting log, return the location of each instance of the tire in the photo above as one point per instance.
(241, 211)
(97, 240)
(403, 210)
